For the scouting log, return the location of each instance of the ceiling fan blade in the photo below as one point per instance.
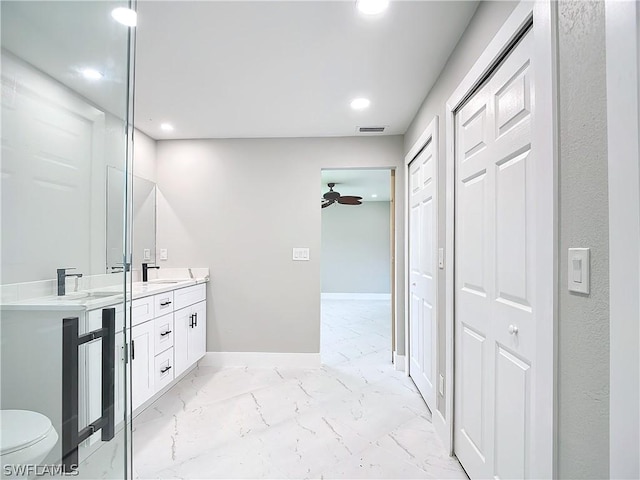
(350, 200)
(326, 203)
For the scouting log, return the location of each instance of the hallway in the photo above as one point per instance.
(355, 417)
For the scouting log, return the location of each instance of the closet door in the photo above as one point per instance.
(495, 329)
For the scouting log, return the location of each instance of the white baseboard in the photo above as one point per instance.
(440, 425)
(260, 359)
(355, 296)
(399, 362)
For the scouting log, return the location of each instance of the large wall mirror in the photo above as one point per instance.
(144, 220)
(64, 109)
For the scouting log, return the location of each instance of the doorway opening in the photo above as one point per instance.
(357, 282)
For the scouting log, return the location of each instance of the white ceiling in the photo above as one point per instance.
(61, 38)
(359, 182)
(287, 69)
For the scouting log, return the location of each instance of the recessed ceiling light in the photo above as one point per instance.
(360, 103)
(373, 195)
(372, 7)
(91, 74)
(125, 16)
(167, 127)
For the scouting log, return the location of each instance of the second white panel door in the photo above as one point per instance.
(422, 261)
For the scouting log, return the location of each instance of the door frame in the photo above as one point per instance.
(544, 136)
(429, 135)
(623, 120)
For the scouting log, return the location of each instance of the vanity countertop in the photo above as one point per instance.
(103, 297)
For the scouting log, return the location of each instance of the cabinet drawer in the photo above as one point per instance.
(164, 333)
(164, 369)
(163, 303)
(141, 310)
(190, 295)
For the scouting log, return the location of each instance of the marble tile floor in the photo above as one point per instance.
(355, 417)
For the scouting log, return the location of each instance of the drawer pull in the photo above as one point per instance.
(164, 304)
(165, 333)
(192, 320)
(165, 369)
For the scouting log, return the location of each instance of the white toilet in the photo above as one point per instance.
(26, 438)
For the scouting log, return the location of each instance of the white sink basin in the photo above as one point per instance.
(169, 280)
(83, 297)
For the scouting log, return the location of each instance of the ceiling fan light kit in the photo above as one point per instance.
(332, 197)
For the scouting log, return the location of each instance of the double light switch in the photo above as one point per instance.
(301, 254)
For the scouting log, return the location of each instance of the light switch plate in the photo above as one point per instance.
(301, 254)
(163, 254)
(579, 270)
(146, 254)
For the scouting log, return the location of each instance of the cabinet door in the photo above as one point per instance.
(142, 363)
(197, 338)
(182, 322)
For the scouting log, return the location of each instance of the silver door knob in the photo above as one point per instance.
(513, 329)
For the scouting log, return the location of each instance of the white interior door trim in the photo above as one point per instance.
(544, 135)
(623, 122)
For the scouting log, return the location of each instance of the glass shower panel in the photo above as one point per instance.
(66, 71)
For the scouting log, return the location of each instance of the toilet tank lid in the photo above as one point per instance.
(21, 428)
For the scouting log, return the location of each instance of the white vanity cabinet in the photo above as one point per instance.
(168, 337)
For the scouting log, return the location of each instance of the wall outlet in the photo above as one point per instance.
(441, 384)
(163, 254)
(146, 254)
(301, 254)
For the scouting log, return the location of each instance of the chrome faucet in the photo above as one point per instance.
(62, 279)
(145, 269)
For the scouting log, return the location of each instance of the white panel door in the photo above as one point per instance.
(422, 262)
(495, 323)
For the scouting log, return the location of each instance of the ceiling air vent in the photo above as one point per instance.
(370, 129)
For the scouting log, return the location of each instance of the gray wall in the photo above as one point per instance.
(486, 22)
(583, 367)
(238, 207)
(355, 248)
